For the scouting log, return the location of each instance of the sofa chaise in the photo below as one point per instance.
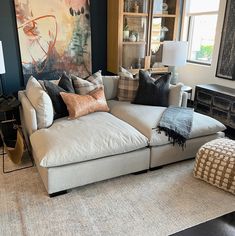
(103, 145)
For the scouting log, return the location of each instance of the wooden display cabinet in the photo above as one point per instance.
(136, 32)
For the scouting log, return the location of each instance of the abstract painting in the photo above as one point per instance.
(226, 60)
(54, 36)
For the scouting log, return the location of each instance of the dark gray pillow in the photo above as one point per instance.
(152, 92)
(66, 83)
(53, 91)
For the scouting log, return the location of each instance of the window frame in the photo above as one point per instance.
(187, 32)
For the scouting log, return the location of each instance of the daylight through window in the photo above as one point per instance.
(201, 16)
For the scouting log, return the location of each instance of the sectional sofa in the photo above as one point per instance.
(103, 145)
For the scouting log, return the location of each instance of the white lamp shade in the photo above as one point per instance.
(2, 64)
(174, 53)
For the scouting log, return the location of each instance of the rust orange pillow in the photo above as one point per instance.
(81, 105)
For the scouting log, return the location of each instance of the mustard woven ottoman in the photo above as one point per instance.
(215, 164)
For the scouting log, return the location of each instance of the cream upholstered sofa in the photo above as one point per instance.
(103, 145)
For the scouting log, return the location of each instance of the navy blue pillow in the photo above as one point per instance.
(66, 83)
(53, 91)
(153, 92)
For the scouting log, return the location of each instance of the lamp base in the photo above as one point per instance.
(174, 75)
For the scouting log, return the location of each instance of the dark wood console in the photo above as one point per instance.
(216, 101)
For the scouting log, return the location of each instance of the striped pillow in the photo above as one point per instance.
(85, 86)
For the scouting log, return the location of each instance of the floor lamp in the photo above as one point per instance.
(174, 54)
(2, 69)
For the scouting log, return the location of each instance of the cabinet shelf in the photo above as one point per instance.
(133, 14)
(134, 43)
(157, 42)
(158, 70)
(164, 15)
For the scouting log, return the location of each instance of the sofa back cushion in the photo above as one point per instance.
(41, 102)
(110, 86)
(153, 92)
(80, 105)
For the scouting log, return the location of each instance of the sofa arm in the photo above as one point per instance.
(184, 99)
(27, 115)
(176, 95)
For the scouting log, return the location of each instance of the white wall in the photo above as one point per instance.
(194, 74)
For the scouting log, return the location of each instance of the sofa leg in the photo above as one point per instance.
(156, 168)
(140, 172)
(58, 193)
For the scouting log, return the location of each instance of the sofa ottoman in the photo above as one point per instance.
(215, 164)
(146, 119)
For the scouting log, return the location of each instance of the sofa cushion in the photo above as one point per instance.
(110, 86)
(81, 105)
(90, 137)
(152, 92)
(146, 119)
(41, 103)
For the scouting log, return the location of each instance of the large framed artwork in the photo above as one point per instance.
(54, 36)
(226, 59)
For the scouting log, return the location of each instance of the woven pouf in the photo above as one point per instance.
(215, 164)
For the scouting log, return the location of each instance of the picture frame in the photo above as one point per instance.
(54, 38)
(226, 59)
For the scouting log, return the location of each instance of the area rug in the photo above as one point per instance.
(159, 202)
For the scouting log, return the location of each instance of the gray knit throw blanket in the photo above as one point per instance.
(176, 122)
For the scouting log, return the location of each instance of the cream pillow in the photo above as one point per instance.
(41, 103)
(175, 95)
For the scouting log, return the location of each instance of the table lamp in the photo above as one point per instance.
(174, 54)
(2, 68)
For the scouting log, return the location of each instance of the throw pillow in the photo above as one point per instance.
(58, 103)
(84, 86)
(127, 85)
(125, 72)
(153, 92)
(66, 83)
(41, 82)
(175, 95)
(80, 105)
(41, 103)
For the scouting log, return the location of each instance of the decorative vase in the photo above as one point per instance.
(126, 34)
(132, 38)
(136, 7)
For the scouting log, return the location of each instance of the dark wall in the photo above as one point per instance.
(8, 35)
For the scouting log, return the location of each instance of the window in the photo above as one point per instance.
(201, 21)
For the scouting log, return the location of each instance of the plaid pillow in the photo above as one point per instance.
(85, 86)
(127, 88)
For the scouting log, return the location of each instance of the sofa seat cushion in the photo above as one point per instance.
(146, 118)
(90, 137)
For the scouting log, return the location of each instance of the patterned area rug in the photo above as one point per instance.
(160, 202)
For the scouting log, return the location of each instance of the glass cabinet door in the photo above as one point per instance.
(163, 25)
(135, 33)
